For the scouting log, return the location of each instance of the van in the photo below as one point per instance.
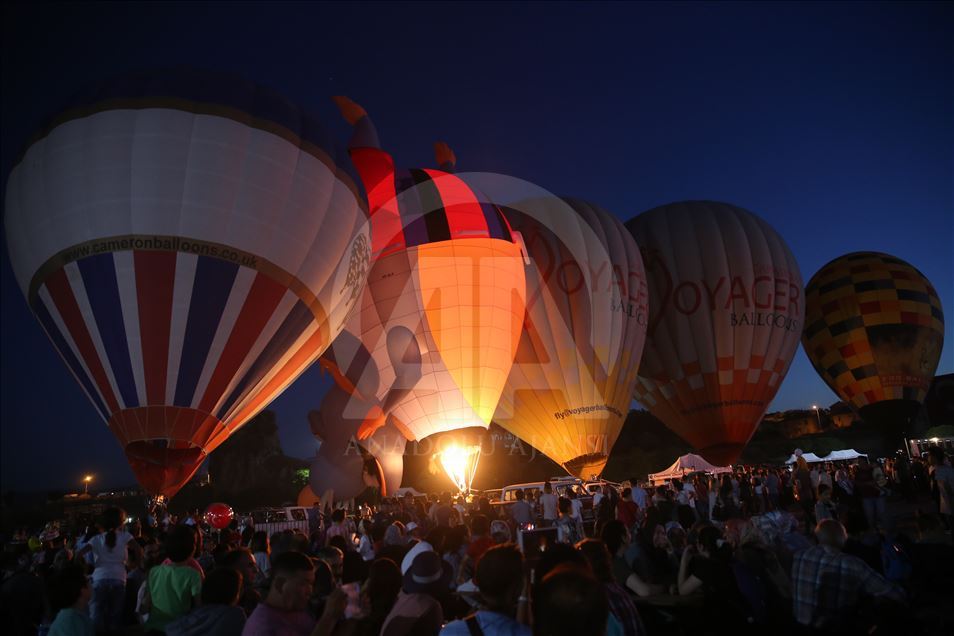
(272, 520)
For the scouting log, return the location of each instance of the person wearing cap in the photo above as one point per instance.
(500, 580)
(417, 610)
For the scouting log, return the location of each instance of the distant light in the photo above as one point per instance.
(935, 439)
(815, 406)
(88, 478)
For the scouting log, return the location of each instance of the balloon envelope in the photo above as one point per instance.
(571, 384)
(874, 329)
(726, 313)
(190, 243)
(219, 515)
(442, 311)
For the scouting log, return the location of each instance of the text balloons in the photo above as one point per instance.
(190, 243)
(874, 330)
(726, 312)
(571, 384)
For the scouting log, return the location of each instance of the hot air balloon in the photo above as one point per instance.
(442, 312)
(572, 381)
(190, 242)
(726, 311)
(874, 329)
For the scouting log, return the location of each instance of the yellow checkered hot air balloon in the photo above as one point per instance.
(874, 329)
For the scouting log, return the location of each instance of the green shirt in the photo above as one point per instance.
(171, 590)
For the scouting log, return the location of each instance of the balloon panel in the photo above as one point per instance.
(569, 390)
(874, 330)
(463, 301)
(187, 259)
(442, 310)
(725, 320)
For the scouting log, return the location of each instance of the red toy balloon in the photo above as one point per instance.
(219, 515)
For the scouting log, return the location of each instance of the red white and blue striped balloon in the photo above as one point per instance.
(191, 243)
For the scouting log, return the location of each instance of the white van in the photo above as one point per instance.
(272, 520)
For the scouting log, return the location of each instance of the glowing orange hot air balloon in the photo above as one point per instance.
(572, 381)
(442, 312)
(874, 330)
(726, 310)
(191, 243)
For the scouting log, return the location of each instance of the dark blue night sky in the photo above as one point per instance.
(835, 122)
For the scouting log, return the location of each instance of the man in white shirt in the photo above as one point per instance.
(640, 498)
(548, 501)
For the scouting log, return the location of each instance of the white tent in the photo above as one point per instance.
(684, 465)
(843, 455)
(834, 456)
(811, 458)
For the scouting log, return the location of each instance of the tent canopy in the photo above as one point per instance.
(834, 456)
(686, 464)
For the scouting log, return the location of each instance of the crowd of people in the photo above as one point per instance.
(817, 549)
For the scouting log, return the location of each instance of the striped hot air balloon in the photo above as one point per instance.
(874, 330)
(726, 310)
(572, 381)
(445, 298)
(440, 319)
(191, 243)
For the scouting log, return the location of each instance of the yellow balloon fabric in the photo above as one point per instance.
(570, 387)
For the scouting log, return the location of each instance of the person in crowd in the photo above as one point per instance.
(622, 608)
(338, 528)
(261, 549)
(872, 500)
(521, 512)
(365, 544)
(825, 507)
(828, 584)
(109, 551)
(21, 595)
(627, 510)
(242, 561)
(394, 544)
(706, 567)
(773, 488)
(638, 493)
(378, 594)
(500, 579)
(69, 594)
(616, 538)
(418, 609)
(805, 489)
(172, 588)
(283, 611)
(569, 601)
(569, 528)
(944, 482)
(334, 557)
(548, 503)
(480, 539)
(605, 510)
(219, 614)
(701, 487)
(152, 555)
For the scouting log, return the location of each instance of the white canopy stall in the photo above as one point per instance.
(834, 456)
(686, 464)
